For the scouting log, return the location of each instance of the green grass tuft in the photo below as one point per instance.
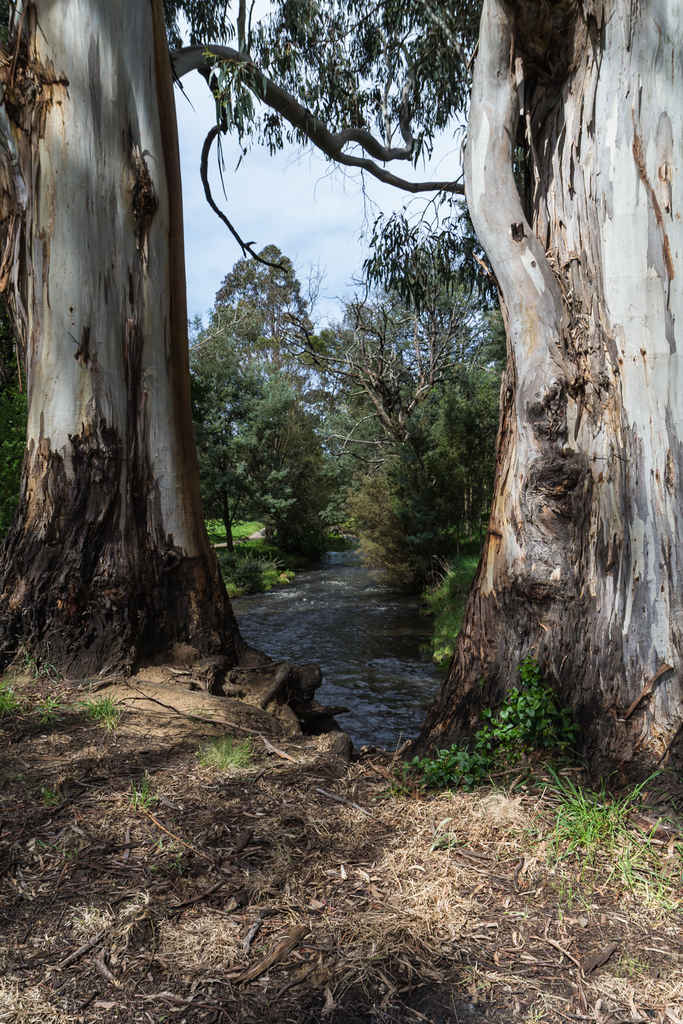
(226, 753)
(591, 826)
(103, 711)
(141, 795)
(48, 709)
(9, 702)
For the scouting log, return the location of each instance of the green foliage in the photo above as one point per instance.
(591, 825)
(48, 796)
(452, 768)
(528, 719)
(247, 571)
(141, 794)
(226, 754)
(104, 711)
(446, 602)
(260, 452)
(432, 492)
(48, 709)
(10, 704)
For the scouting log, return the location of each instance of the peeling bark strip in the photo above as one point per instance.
(583, 564)
(639, 158)
(107, 563)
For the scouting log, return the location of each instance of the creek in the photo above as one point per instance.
(369, 639)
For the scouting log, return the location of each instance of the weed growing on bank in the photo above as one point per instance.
(226, 753)
(103, 711)
(529, 719)
(9, 702)
(446, 603)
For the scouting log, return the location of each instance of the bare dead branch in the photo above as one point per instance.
(246, 247)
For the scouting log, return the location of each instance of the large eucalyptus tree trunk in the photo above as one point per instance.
(583, 562)
(108, 561)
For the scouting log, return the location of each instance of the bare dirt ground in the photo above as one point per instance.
(139, 885)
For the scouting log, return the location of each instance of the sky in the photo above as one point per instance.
(315, 212)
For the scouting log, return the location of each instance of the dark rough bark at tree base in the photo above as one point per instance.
(82, 593)
(582, 567)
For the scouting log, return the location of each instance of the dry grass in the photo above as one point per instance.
(453, 907)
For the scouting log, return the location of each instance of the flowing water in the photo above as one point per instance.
(368, 638)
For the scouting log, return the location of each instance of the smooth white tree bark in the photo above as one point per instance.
(583, 563)
(108, 561)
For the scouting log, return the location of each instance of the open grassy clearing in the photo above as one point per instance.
(143, 885)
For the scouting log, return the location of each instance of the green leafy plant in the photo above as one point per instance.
(142, 796)
(49, 796)
(226, 753)
(103, 711)
(9, 702)
(529, 719)
(48, 710)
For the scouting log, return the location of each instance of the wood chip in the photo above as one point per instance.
(591, 962)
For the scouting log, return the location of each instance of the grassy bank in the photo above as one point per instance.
(257, 564)
(446, 602)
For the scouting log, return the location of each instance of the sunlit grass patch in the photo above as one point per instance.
(215, 528)
(596, 827)
(226, 754)
(104, 711)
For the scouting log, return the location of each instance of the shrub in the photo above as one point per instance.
(529, 719)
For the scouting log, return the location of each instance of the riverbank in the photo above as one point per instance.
(145, 880)
(257, 565)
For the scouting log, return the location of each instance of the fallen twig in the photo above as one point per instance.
(188, 846)
(342, 800)
(104, 971)
(82, 950)
(202, 896)
(559, 948)
(251, 934)
(280, 753)
(279, 953)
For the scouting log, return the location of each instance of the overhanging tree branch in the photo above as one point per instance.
(197, 58)
(246, 247)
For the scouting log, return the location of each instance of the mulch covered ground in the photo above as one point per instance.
(138, 885)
